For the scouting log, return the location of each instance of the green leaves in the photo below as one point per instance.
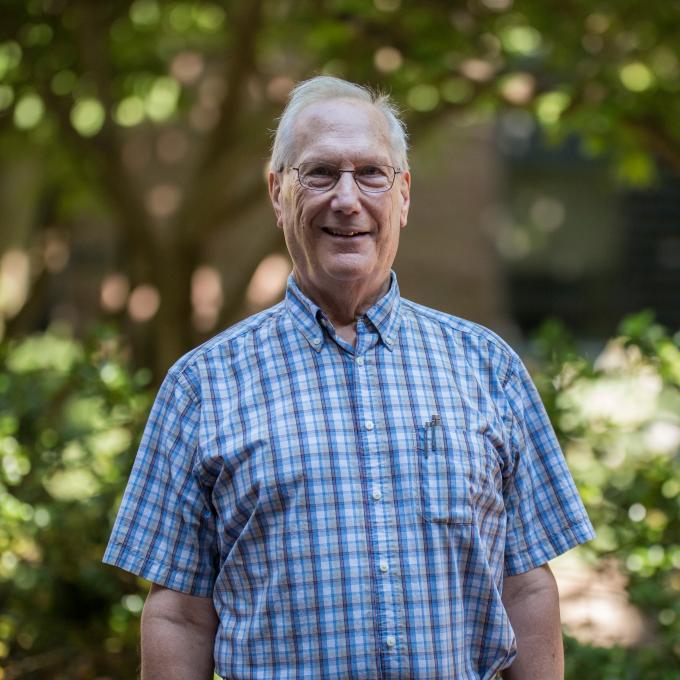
(618, 417)
(70, 419)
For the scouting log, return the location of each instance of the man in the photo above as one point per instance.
(348, 485)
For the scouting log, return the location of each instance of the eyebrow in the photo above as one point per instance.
(367, 160)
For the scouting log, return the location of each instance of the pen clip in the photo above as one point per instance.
(435, 424)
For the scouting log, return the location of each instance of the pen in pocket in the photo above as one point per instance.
(432, 428)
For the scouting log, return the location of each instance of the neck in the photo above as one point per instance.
(345, 304)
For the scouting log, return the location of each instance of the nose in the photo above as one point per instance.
(346, 195)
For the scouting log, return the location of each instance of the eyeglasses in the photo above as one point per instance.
(371, 179)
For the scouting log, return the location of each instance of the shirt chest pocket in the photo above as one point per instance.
(450, 464)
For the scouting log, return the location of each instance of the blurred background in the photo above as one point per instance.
(135, 223)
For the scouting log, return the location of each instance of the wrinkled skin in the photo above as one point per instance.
(343, 274)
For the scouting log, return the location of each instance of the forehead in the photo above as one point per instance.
(342, 129)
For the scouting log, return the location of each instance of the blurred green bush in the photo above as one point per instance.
(618, 418)
(71, 414)
(70, 419)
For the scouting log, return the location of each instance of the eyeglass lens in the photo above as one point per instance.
(324, 176)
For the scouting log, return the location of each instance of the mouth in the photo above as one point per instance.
(344, 233)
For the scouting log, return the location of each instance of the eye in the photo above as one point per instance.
(369, 171)
(318, 170)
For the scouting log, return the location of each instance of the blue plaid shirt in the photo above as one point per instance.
(351, 510)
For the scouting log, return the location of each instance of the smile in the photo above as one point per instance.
(343, 234)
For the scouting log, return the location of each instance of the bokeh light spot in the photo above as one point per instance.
(550, 106)
(523, 40)
(163, 200)
(10, 57)
(144, 13)
(547, 213)
(63, 82)
(279, 88)
(268, 281)
(636, 76)
(187, 66)
(129, 112)
(209, 17)
(518, 88)
(206, 297)
(637, 512)
(456, 90)
(87, 116)
(14, 281)
(387, 59)
(144, 302)
(56, 253)
(28, 111)
(423, 97)
(478, 70)
(114, 292)
(162, 100)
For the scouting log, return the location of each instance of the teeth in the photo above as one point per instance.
(343, 233)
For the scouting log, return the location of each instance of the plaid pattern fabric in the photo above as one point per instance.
(351, 511)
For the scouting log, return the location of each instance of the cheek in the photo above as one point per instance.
(297, 205)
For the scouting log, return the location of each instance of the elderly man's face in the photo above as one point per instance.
(341, 239)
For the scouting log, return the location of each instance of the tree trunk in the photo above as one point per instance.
(172, 329)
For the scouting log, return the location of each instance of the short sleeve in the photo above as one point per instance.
(545, 515)
(165, 530)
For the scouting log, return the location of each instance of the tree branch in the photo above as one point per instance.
(240, 63)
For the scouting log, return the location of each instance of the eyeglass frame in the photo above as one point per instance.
(354, 177)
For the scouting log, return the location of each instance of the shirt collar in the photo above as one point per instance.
(308, 317)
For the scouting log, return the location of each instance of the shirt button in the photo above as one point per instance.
(390, 641)
(316, 341)
(384, 567)
(360, 361)
(369, 425)
(377, 495)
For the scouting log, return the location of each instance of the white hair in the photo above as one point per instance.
(322, 88)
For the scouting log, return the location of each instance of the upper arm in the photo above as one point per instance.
(521, 587)
(179, 608)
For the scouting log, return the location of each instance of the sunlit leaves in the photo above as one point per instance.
(87, 116)
(130, 111)
(28, 111)
(423, 97)
(550, 106)
(145, 13)
(522, 39)
(619, 420)
(10, 57)
(636, 76)
(162, 99)
(49, 352)
(69, 419)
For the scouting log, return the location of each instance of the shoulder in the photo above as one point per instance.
(460, 334)
(217, 352)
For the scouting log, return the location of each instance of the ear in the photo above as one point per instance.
(405, 190)
(276, 196)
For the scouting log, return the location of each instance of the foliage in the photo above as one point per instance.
(616, 663)
(619, 420)
(139, 112)
(70, 416)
